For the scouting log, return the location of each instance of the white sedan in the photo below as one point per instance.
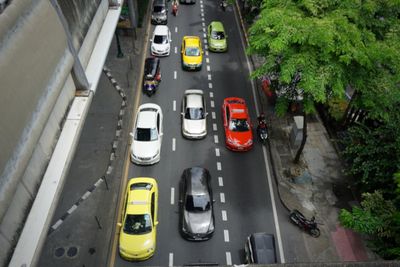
(194, 125)
(161, 41)
(147, 135)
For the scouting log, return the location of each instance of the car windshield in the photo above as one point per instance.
(158, 9)
(146, 134)
(137, 224)
(198, 203)
(239, 125)
(192, 51)
(217, 35)
(160, 39)
(194, 114)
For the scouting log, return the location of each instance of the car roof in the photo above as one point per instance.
(263, 248)
(196, 180)
(147, 115)
(217, 26)
(138, 201)
(192, 41)
(194, 98)
(161, 30)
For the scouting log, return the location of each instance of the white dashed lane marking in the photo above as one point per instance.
(211, 93)
(173, 144)
(217, 153)
(208, 68)
(226, 235)
(174, 105)
(207, 60)
(205, 47)
(224, 216)
(219, 166)
(72, 209)
(171, 260)
(176, 29)
(175, 75)
(228, 258)
(203, 24)
(57, 224)
(205, 41)
(209, 77)
(172, 196)
(212, 103)
(204, 30)
(204, 35)
(216, 139)
(215, 127)
(220, 181)
(176, 50)
(202, 19)
(222, 197)
(210, 85)
(213, 115)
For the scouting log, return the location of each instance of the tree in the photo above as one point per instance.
(332, 45)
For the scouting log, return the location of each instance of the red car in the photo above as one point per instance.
(238, 134)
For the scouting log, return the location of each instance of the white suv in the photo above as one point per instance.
(147, 135)
(161, 41)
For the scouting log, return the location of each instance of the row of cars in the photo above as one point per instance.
(139, 223)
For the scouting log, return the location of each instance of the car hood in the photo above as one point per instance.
(145, 149)
(160, 46)
(192, 59)
(194, 126)
(199, 222)
(136, 243)
(240, 138)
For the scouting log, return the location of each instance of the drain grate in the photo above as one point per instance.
(72, 251)
(59, 252)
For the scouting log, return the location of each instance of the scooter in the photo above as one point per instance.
(309, 226)
(150, 88)
(262, 131)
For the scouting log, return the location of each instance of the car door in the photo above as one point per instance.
(160, 125)
(184, 106)
(209, 34)
(183, 49)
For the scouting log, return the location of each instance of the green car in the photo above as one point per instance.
(216, 37)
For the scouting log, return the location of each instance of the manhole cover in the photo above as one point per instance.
(59, 252)
(92, 251)
(72, 251)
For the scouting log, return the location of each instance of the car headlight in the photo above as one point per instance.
(157, 153)
(249, 143)
(231, 141)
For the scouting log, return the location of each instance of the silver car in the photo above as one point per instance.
(194, 124)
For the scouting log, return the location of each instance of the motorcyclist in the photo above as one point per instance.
(175, 5)
(262, 122)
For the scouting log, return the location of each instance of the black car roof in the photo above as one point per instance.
(150, 66)
(196, 179)
(263, 248)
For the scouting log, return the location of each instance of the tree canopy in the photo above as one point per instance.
(332, 44)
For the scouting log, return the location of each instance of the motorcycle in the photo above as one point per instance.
(262, 131)
(309, 226)
(223, 5)
(175, 9)
(151, 76)
(149, 87)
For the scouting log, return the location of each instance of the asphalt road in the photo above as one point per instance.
(243, 204)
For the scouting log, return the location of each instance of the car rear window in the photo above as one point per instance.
(194, 114)
(217, 35)
(141, 186)
(146, 134)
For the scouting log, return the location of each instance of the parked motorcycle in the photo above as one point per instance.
(309, 226)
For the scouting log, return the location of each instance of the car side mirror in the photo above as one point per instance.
(119, 224)
(131, 134)
(180, 201)
(214, 200)
(161, 134)
(206, 114)
(151, 40)
(156, 223)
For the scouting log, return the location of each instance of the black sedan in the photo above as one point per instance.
(196, 204)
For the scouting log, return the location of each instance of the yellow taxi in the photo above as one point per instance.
(192, 53)
(137, 240)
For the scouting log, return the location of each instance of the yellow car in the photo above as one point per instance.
(192, 53)
(137, 240)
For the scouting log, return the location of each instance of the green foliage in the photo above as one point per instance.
(337, 107)
(333, 44)
(379, 219)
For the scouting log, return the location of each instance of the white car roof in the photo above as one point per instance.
(161, 30)
(147, 116)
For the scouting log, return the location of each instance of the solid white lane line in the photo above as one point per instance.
(176, 50)
(228, 258)
(226, 235)
(220, 181)
(210, 85)
(274, 212)
(212, 103)
(214, 127)
(171, 260)
(173, 144)
(216, 139)
(174, 105)
(175, 74)
(217, 152)
(213, 115)
(222, 197)
(219, 166)
(224, 216)
(208, 68)
(207, 60)
(209, 77)
(176, 29)
(211, 94)
(172, 196)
